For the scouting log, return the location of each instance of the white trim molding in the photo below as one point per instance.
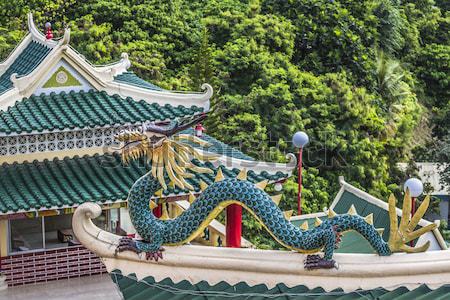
(269, 267)
(255, 165)
(15, 53)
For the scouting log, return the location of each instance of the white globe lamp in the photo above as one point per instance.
(415, 187)
(278, 187)
(300, 139)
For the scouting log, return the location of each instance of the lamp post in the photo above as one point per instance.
(300, 139)
(415, 188)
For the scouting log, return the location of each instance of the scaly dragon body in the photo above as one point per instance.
(324, 236)
(216, 197)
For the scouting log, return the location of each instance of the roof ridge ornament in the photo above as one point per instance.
(37, 35)
(122, 67)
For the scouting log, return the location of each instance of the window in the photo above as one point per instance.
(51, 232)
(58, 232)
(102, 220)
(26, 234)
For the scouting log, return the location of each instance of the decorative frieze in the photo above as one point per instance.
(59, 141)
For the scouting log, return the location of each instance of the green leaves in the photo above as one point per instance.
(278, 67)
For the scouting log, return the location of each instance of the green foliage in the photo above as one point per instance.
(360, 77)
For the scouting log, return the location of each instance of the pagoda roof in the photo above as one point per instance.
(83, 109)
(33, 62)
(27, 61)
(366, 204)
(69, 182)
(149, 288)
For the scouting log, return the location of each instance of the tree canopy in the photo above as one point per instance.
(360, 77)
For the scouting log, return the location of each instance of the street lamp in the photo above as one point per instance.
(415, 188)
(300, 139)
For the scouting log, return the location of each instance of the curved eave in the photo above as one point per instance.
(38, 36)
(256, 166)
(356, 271)
(102, 80)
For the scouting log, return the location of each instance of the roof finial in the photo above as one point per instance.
(48, 31)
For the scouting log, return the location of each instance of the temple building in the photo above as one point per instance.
(58, 117)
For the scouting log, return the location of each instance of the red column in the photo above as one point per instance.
(234, 226)
(299, 196)
(413, 210)
(157, 211)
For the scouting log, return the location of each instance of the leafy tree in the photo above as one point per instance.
(360, 77)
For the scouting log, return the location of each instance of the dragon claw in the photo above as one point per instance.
(128, 244)
(314, 262)
(156, 255)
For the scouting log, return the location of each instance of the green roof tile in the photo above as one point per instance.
(219, 147)
(83, 109)
(148, 288)
(25, 63)
(72, 181)
(133, 79)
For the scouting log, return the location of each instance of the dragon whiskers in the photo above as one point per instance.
(171, 157)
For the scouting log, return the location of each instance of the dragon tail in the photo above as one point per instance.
(399, 234)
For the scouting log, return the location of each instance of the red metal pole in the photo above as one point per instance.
(413, 211)
(157, 211)
(234, 226)
(299, 209)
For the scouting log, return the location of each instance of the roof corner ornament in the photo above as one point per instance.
(209, 91)
(18, 84)
(66, 37)
(13, 78)
(37, 35)
(48, 31)
(126, 59)
(292, 161)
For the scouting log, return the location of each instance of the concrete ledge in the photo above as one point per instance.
(269, 267)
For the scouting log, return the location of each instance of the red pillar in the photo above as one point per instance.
(157, 211)
(299, 196)
(413, 210)
(234, 226)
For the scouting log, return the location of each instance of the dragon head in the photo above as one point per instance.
(161, 144)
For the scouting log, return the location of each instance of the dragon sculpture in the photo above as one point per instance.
(171, 160)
